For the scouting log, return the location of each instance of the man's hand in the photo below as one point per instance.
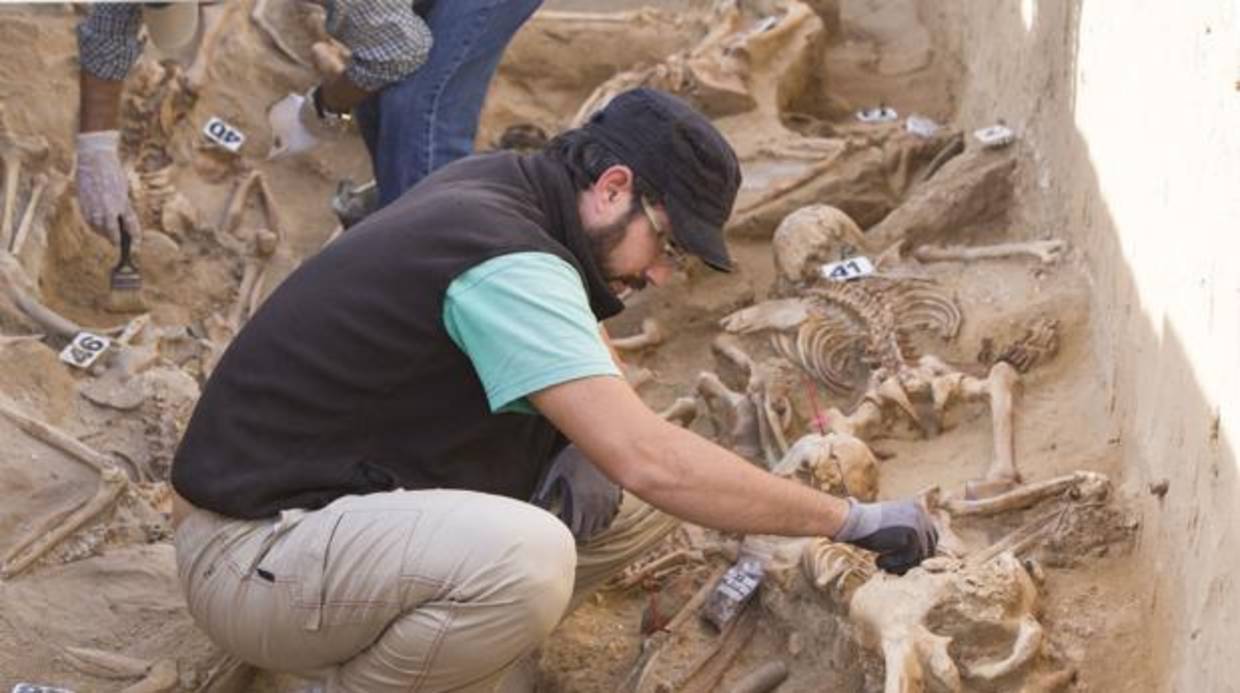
(296, 126)
(900, 532)
(103, 190)
(588, 500)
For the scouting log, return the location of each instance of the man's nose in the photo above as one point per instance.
(659, 274)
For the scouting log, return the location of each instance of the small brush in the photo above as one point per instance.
(126, 293)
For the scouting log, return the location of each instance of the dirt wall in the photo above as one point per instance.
(1127, 114)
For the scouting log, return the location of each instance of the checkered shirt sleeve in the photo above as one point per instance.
(108, 42)
(388, 41)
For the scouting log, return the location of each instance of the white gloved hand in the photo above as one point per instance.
(103, 189)
(296, 126)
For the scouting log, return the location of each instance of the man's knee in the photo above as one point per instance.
(542, 564)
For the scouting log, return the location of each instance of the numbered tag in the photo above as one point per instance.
(38, 688)
(880, 114)
(84, 349)
(223, 134)
(995, 136)
(921, 126)
(851, 268)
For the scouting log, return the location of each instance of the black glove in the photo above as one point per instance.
(900, 532)
(588, 500)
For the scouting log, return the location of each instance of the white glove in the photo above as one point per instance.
(103, 189)
(296, 126)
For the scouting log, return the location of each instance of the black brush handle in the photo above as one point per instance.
(126, 246)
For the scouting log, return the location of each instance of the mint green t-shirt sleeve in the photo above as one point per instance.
(524, 321)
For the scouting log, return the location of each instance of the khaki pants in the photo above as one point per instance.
(401, 591)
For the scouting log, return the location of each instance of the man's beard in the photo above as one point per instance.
(604, 239)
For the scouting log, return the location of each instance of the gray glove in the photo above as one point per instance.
(588, 501)
(103, 190)
(900, 532)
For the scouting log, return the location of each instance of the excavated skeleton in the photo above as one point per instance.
(747, 70)
(938, 623)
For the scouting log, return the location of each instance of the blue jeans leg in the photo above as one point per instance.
(431, 117)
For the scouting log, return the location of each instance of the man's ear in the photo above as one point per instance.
(613, 182)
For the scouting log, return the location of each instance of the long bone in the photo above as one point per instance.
(1045, 252)
(112, 482)
(13, 149)
(651, 335)
(1079, 485)
(32, 207)
(215, 20)
(259, 17)
(1002, 473)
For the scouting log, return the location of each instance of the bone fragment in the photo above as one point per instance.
(1028, 643)
(241, 309)
(673, 558)
(1045, 252)
(259, 16)
(762, 679)
(104, 664)
(58, 439)
(266, 242)
(892, 390)
(682, 412)
(162, 678)
(23, 227)
(236, 203)
(651, 335)
(112, 482)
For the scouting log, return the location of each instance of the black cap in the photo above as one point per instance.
(679, 152)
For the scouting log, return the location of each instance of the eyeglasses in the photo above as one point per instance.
(671, 250)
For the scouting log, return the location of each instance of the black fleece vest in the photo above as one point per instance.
(346, 382)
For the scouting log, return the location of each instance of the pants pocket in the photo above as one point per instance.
(346, 567)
